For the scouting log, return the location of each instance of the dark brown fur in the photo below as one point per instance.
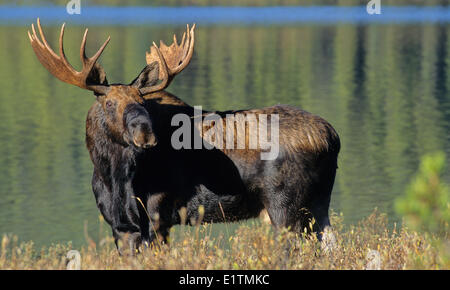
(293, 188)
(141, 183)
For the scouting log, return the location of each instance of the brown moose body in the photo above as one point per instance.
(142, 183)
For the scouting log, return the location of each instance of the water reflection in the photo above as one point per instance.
(383, 87)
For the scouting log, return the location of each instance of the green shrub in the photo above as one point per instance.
(426, 204)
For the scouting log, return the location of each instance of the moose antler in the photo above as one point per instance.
(172, 59)
(91, 77)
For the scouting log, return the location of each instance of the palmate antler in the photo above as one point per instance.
(91, 77)
(172, 59)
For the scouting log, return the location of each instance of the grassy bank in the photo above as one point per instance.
(252, 246)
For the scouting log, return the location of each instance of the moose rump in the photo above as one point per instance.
(295, 186)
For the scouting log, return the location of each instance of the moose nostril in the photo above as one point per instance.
(144, 126)
(145, 143)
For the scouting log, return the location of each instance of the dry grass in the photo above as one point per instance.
(252, 246)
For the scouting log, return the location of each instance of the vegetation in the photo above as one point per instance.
(384, 88)
(370, 244)
(252, 247)
(426, 205)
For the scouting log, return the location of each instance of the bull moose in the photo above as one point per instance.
(141, 182)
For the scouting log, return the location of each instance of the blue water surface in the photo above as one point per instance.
(103, 15)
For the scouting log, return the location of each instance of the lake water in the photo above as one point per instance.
(383, 83)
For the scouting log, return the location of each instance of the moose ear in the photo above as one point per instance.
(97, 76)
(148, 77)
(97, 80)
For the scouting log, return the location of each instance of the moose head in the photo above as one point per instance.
(126, 119)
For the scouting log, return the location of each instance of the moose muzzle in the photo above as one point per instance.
(139, 126)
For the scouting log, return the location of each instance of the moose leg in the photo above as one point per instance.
(126, 229)
(321, 208)
(323, 229)
(283, 210)
(277, 212)
(279, 216)
(124, 232)
(159, 214)
(297, 215)
(126, 242)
